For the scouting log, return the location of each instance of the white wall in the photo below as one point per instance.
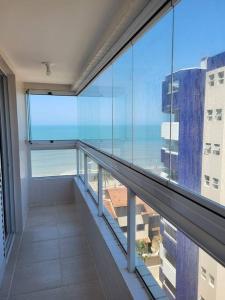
(51, 191)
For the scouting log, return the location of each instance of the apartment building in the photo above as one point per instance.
(182, 156)
(199, 145)
(147, 220)
(211, 274)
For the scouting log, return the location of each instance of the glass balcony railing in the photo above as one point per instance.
(168, 262)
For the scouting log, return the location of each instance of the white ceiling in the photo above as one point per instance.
(67, 33)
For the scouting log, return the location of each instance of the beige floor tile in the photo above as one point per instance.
(36, 277)
(52, 294)
(40, 233)
(38, 251)
(84, 291)
(73, 246)
(74, 272)
(70, 229)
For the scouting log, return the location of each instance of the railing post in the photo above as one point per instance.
(78, 163)
(85, 172)
(100, 192)
(131, 222)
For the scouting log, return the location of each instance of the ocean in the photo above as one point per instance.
(143, 148)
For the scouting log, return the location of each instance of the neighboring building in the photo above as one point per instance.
(182, 160)
(211, 274)
(147, 220)
(193, 159)
(148, 236)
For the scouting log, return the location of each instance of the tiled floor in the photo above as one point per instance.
(54, 260)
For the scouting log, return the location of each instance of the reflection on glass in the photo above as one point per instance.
(180, 269)
(177, 132)
(95, 112)
(151, 63)
(53, 117)
(53, 162)
(92, 169)
(197, 128)
(115, 204)
(122, 106)
(197, 104)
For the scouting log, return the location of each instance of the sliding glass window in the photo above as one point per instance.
(122, 106)
(52, 117)
(95, 112)
(198, 103)
(7, 217)
(167, 96)
(60, 162)
(152, 61)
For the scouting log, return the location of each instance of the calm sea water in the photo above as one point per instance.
(145, 151)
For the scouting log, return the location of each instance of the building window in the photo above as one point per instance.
(207, 180)
(211, 79)
(216, 149)
(170, 230)
(203, 273)
(215, 183)
(175, 87)
(209, 114)
(218, 114)
(211, 281)
(207, 149)
(140, 227)
(221, 77)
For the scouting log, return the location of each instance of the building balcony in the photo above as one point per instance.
(169, 271)
(170, 131)
(169, 159)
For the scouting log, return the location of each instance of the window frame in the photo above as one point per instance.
(28, 93)
(47, 145)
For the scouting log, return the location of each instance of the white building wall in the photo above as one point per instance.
(213, 166)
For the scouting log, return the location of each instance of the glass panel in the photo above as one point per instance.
(53, 162)
(115, 205)
(151, 128)
(81, 164)
(122, 106)
(93, 177)
(198, 128)
(148, 239)
(198, 105)
(170, 263)
(53, 117)
(95, 112)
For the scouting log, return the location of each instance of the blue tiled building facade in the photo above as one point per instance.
(186, 105)
(185, 100)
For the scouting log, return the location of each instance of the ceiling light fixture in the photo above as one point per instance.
(48, 67)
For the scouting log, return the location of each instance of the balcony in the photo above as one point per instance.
(169, 271)
(170, 131)
(169, 159)
(103, 115)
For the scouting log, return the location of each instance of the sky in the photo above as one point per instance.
(199, 31)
